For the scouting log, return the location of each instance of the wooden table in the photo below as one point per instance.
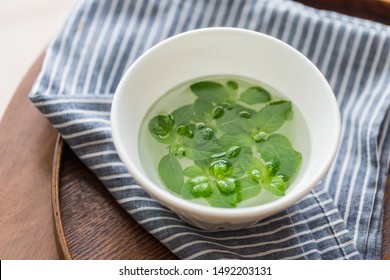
(27, 228)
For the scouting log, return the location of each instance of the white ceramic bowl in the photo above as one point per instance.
(237, 52)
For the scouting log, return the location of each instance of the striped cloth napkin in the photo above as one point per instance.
(340, 219)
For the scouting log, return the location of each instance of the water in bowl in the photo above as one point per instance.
(245, 98)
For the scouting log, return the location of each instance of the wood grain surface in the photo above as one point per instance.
(26, 149)
(378, 10)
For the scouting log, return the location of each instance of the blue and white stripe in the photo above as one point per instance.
(340, 219)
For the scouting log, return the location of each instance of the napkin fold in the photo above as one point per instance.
(340, 219)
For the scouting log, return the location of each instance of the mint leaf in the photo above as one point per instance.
(271, 117)
(232, 85)
(219, 199)
(203, 110)
(160, 127)
(202, 190)
(220, 168)
(197, 148)
(275, 185)
(237, 170)
(254, 167)
(232, 89)
(177, 150)
(227, 185)
(218, 112)
(249, 125)
(208, 133)
(278, 149)
(233, 151)
(185, 130)
(231, 121)
(248, 188)
(186, 191)
(255, 95)
(202, 163)
(171, 173)
(213, 196)
(193, 171)
(241, 139)
(183, 115)
(197, 152)
(211, 91)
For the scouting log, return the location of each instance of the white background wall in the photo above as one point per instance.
(26, 27)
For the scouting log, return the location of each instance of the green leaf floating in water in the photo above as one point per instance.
(193, 171)
(171, 173)
(232, 85)
(221, 199)
(272, 117)
(211, 91)
(161, 127)
(253, 167)
(183, 115)
(197, 148)
(275, 185)
(248, 188)
(255, 95)
(203, 110)
(186, 191)
(230, 122)
(277, 148)
(239, 138)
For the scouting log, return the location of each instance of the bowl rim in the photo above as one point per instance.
(169, 199)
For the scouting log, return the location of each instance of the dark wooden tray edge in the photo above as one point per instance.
(62, 244)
